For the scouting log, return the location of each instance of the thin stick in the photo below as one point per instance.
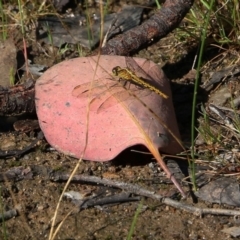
(144, 192)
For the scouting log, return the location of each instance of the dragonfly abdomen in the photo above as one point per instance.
(154, 89)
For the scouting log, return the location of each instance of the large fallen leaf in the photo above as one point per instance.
(116, 119)
(223, 190)
(97, 121)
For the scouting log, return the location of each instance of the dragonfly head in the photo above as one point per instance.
(116, 70)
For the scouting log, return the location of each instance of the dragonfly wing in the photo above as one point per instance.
(98, 101)
(114, 99)
(124, 95)
(88, 89)
(134, 66)
(98, 93)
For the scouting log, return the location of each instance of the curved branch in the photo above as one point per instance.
(158, 26)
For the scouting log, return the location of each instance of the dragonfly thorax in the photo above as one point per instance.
(123, 73)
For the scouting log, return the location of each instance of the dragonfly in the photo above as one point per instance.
(133, 74)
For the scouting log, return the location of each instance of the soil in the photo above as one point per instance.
(36, 198)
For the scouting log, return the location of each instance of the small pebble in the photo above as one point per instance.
(8, 144)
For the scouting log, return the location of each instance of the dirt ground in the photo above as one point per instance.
(36, 198)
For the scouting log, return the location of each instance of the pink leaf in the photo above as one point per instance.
(116, 119)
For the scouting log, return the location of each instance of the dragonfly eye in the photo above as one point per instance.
(115, 70)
